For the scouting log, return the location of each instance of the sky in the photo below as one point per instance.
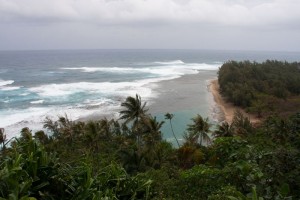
(150, 24)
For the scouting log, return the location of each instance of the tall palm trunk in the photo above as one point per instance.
(174, 134)
(170, 116)
(201, 137)
(137, 133)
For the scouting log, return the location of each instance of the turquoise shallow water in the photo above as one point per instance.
(184, 97)
(180, 121)
(81, 83)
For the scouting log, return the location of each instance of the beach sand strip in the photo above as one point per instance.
(227, 108)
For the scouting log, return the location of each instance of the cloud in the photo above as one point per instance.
(124, 12)
(204, 24)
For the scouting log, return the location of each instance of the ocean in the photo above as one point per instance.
(90, 84)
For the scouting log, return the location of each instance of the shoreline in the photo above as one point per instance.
(185, 96)
(188, 92)
(228, 109)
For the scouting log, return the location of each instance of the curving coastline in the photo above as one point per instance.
(228, 109)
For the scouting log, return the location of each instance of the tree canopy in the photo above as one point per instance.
(267, 87)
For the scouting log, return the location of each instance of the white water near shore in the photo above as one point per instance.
(153, 90)
(89, 84)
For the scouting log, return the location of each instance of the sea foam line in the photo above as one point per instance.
(172, 68)
(174, 62)
(160, 73)
(37, 102)
(4, 83)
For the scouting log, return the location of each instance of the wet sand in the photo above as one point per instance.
(228, 109)
(185, 97)
(188, 92)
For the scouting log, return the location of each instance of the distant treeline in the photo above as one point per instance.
(259, 86)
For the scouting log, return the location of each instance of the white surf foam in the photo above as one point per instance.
(24, 94)
(173, 62)
(180, 70)
(37, 102)
(9, 88)
(115, 92)
(4, 83)
(13, 116)
(14, 120)
(204, 66)
(174, 68)
(109, 69)
(160, 73)
(108, 88)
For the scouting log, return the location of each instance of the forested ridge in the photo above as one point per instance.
(262, 88)
(127, 158)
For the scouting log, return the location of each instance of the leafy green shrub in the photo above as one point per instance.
(199, 182)
(28, 171)
(227, 193)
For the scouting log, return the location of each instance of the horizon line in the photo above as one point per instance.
(143, 49)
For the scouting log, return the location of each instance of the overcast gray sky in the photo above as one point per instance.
(164, 24)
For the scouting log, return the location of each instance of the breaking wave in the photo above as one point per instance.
(174, 62)
(85, 97)
(174, 68)
(4, 83)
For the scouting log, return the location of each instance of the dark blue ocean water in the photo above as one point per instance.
(36, 84)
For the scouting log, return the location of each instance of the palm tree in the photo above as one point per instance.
(224, 130)
(105, 128)
(133, 112)
(169, 117)
(151, 129)
(26, 134)
(200, 129)
(41, 136)
(189, 139)
(91, 136)
(134, 109)
(78, 129)
(241, 124)
(65, 125)
(116, 127)
(52, 126)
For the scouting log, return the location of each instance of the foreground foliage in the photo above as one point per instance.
(28, 170)
(102, 160)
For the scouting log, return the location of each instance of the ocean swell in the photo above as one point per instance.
(79, 99)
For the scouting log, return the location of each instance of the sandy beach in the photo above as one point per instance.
(227, 108)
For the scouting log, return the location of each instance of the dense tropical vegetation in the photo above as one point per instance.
(128, 159)
(262, 88)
